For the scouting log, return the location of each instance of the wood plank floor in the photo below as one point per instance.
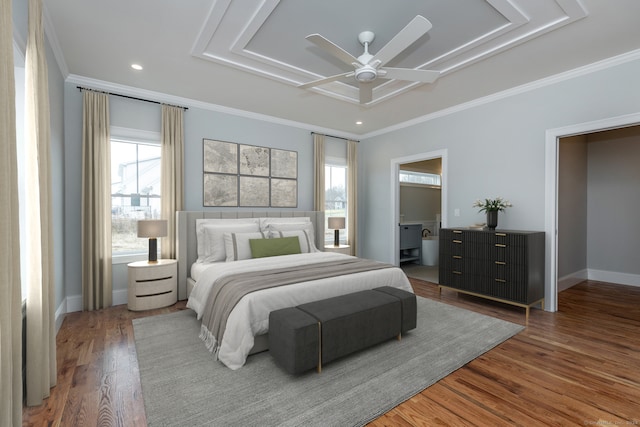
(578, 366)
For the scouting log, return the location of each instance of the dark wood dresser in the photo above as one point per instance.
(502, 265)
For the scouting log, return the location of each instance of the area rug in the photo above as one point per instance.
(183, 386)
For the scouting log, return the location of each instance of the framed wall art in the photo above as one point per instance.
(248, 175)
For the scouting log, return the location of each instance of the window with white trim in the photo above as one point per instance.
(335, 197)
(135, 191)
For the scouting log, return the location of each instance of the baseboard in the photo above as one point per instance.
(572, 279)
(614, 277)
(73, 303)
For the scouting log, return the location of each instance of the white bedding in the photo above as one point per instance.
(250, 317)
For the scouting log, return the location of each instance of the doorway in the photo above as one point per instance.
(553, 138)
(422, 214)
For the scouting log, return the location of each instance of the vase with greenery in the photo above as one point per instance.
(491, 207)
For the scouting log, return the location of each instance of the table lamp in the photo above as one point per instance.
(152, 228)
(336, 223)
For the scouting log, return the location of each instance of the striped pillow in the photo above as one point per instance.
(237, 244)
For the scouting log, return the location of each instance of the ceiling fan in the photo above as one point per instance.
(370, 67)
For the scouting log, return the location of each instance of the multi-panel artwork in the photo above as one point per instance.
(248, 175)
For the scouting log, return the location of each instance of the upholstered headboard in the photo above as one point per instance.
(186, 244)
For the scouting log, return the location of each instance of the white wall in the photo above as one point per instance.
(494, 149)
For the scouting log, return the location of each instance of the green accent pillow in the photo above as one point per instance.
(273, 247)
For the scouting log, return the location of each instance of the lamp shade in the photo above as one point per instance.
(152, 228)
(336, 223)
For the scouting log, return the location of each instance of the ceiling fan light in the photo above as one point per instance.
(366, 75)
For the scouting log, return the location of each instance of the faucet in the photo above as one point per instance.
(426, 232)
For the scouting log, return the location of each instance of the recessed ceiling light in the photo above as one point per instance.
(359, 122)
(136, 67)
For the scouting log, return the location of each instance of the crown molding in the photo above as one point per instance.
(547, 81)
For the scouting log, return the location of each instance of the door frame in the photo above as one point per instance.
(395, 195)
(552, 143)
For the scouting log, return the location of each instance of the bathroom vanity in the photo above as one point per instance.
(411, 243)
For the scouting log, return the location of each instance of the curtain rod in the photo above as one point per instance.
(130, 97)
(333, 136)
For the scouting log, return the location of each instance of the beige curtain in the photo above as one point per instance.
(96, 202)
(318, 171)
(10, 298)
(40, 276)
(172, 174)
(352, 195)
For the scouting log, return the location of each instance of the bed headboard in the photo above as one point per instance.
(186, 245)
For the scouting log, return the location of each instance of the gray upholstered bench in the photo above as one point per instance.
(313, 334)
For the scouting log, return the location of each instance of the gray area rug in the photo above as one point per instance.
(183, 386)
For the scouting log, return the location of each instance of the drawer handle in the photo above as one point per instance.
(155, 279)
(501, 263)
(500, 245)
(501, 281)
(501, 234)
(457, 257)
(457, 231)
(456, 272)
(457, 241)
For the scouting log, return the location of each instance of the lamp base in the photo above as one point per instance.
(336, 238)
(153, 250)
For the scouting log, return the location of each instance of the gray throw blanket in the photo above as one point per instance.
(228, 290)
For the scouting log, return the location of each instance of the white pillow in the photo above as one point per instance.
(237, 244)
(265, 221)
(307, 227)
(214, 249)
(304, 237)
(201, 223)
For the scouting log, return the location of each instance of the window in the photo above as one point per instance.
(135, 192)
(335, 198)
(420, 178)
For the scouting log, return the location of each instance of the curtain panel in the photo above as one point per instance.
(10, 293)
(352, 194)
(318, 172)
(40, 273)
(172, 174)
(96, 202)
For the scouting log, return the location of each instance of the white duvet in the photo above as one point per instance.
(250, 317)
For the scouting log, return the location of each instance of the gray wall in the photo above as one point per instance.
(419, 203)
(198, 124)
(495, 149)
(572, 205)
(614, 201)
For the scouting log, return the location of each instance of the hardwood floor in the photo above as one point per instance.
(578, 366)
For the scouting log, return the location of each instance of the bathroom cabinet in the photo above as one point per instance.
(502, 265)
(411, 243)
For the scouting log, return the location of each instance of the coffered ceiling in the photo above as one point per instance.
(250, 55)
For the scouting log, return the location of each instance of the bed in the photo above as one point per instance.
(203, 271)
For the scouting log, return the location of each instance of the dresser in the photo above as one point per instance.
(502, 265)
(411, 243)
(152, 285)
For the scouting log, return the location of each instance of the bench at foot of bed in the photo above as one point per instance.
(313, 334)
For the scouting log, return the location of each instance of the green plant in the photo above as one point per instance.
(489, 205)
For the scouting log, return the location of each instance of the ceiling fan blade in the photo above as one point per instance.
(425, 76)
(326, 80)
(405, 38)
(332, 48)
(366, 92)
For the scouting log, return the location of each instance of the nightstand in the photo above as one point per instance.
(152, 285)
(342, 249)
